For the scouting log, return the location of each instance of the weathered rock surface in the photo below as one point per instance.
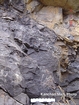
(32, 72)
(36, 70)
(22, 98)
(5, 99)
(67, 5)
(48, 16)
(34, 60)
(25, 53)
(52, 18)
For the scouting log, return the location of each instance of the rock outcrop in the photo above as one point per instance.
(35, 61)
(65, 4)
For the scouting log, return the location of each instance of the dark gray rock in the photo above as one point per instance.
(73, 87)
(22, 98)
(18, 4)
(74, 66)
(27, 59)
(37, 68)
(5, 99)
(77, 95)
(70, 77)
(10, 76)
(38, 78)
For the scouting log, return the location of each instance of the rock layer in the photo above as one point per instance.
(65, 4)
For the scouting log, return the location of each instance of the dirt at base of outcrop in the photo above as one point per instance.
(35, 62)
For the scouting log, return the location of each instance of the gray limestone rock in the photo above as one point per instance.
(22, 98)
(27, 59)
(5, 99)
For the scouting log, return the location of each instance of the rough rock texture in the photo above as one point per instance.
(48, 16)
(67, 28)
(67, 5)
(25, 53)
(35, 61)
(5, 99)
(20, 72)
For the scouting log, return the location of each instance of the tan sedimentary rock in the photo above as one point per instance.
(65, 4)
